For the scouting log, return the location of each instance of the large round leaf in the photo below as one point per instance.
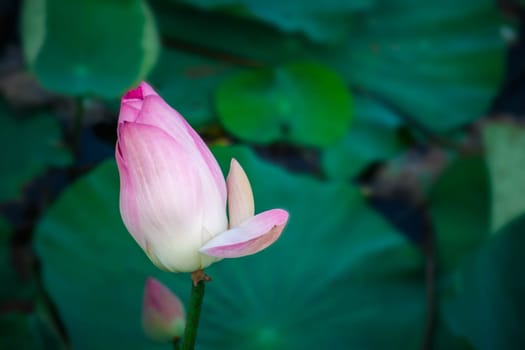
(302, 102)
(437, 63)
(339, 277)
(83, 47)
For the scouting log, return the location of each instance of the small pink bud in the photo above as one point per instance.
(163, 317)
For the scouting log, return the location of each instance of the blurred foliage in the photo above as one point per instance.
(372, 137)
(89, 46)
(21, 327)
(20, 164)
(417, 59)
(412, 58)
(506, 160)
(196, 79)
(325, 21)
(288, 103)
(486, 306)
(16, 292)
(317, 100)
(27, 331)
(460, 210)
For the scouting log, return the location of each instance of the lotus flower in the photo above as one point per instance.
(173, 194)
(163, 317)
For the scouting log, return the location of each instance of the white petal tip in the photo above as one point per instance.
(240, 197)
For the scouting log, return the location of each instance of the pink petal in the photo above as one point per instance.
(131, 102)
(240, 196)
(147, 90)
(128, 113)
(252, 236)
(158, 113)
(155, 111)
(210, 161)
(140, 92)
(162, 301)
(160, 192)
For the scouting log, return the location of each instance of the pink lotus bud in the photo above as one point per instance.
(173, 194)
(163, 317)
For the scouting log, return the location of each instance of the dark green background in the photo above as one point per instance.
(377, 124)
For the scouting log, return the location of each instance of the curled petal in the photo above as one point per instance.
(252, 236)
(139, 93)
(128, 113)
(240, 196)
(131, 102)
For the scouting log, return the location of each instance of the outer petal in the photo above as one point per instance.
(240, 196)
(210, 161)
(252, 236)
(160, 198)
(128, 113)
(155, 111)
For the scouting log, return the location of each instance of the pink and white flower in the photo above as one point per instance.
(173, 195)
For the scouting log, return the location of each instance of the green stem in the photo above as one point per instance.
(176, 344)
(194, 312)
